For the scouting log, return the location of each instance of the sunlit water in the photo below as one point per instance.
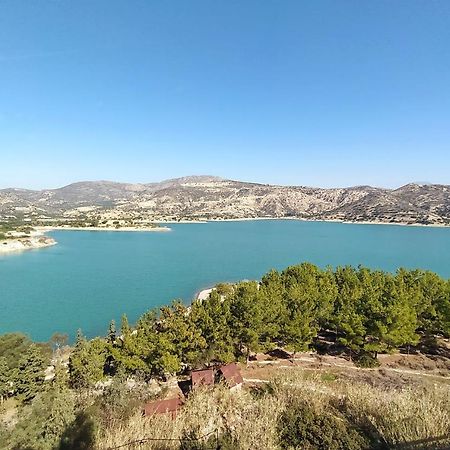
(92, 277)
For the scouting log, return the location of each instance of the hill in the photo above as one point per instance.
(209, 197)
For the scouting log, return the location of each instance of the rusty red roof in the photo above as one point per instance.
(202, 377)
(162, 406)
(232, 374)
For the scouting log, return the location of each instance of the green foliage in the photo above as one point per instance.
(302, 427)
(121, 400)
(246, 317)
(12, 347)
(177, 325)
(223, 441)
(112, 331)
(87, 362)
(213, 317)
(5, 379)
(80, 435)
(58, 340)
(301, 298)
(366, 360)
(370, 312)
(29, 379)
(42, 424)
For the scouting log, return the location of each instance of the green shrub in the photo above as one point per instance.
(302, 427)
(224, 441)
(366, 361)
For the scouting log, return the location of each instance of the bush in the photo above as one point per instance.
(366, 361)
(225, 441)
(301, 426)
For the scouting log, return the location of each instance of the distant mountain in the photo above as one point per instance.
(209, 197)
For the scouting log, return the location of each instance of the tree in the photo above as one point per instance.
(309, 296)
(133, 352)
(400, 317)
(87, 361)
(246, 317)
(57, 341)
(347, 316)
(435, 319)
(271, 296)
(5, 379)
(125, 328)
(212, 317)
(30, 374)
(12, 347)
(112, 331)
(181, 332)
(42, 424)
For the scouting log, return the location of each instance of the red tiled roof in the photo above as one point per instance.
(202, 377)
(162, 406)
(232, 374)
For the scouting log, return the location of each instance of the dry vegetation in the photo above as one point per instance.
(387, 417)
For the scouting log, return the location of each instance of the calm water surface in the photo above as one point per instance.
(92, 277)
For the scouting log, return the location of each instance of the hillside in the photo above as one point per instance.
(208, 197)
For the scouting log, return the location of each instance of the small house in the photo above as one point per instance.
(169, 406)
(231, 374)
(202, 378)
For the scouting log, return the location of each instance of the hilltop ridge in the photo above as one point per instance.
(210, 197)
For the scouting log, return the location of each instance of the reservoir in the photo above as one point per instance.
(91, 277)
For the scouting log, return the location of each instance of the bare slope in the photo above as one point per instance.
(212, 197)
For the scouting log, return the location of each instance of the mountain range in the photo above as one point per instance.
(209, 197)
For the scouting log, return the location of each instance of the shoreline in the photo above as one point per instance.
(45, 229)
(34, 242)
(301, 219)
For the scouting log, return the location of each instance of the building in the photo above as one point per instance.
(202, 378)
(231, 374)
(169, 406)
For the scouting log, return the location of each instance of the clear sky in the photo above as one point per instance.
(322, 93)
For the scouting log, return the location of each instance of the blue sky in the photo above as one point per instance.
(321, 93)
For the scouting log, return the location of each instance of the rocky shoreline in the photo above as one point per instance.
(25, 243)
(69, 228)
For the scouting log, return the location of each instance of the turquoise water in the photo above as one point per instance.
(92, 277)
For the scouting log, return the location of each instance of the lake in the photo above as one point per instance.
(92, 277)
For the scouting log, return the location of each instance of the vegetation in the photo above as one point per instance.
(298, 411)
(357, 311)
(366, 311)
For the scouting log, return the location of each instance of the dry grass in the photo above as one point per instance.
(402, 416)
(394, 415)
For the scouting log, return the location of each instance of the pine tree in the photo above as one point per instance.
(87, 361)
(125, 328)
(30, 374)
(212, 317)
(112, 332)
(246, 317)
(347, 317)
(5, 379)
(177, 324)
(308, 297)
(274, 313)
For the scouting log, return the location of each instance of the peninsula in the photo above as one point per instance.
(19, 241)
(15, 237)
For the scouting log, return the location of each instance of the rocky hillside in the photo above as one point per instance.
(206, 197)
